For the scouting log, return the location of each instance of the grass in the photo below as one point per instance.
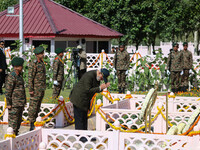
(48, 96)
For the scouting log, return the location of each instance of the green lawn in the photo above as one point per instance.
(47, 97)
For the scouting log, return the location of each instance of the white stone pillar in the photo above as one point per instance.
(52, 45)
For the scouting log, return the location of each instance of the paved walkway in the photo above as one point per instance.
(24, 129)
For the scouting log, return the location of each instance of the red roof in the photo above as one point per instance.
(47, 18)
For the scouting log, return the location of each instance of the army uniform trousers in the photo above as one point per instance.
(15, 118)
(175, 80)
(184, 78)
(34, 105)
(121, 75)
(57, 89)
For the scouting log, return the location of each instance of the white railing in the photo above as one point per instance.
(127, 112)
(58, 121)
(5, 145)
(177, 104)
(156, 142)
(44, 139)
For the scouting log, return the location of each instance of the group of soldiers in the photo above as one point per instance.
(179, 66)
(15, 90)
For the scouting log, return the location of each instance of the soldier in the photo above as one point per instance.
(3, 66)
(113, 50)
(15, 94)
(37, 85)
(121, 64)
(187, 66)
(175, 66)
(82, 68)
(58, 72)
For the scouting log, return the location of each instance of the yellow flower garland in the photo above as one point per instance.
(9, 136)
(4, 107)
(128, 130)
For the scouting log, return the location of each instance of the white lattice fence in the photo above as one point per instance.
(156, 142)
(127, 112)
(57, 121)
(30, 140)
(5, 145)
(71, 139)
(177, 104)
(65, 139)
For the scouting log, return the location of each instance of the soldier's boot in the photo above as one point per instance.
(186, 88)
(181, 89)
(173, 90)
(123, 90)
(32, 126)
(16, 133)
(120, 90)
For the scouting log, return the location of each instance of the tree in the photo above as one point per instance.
(4, 4)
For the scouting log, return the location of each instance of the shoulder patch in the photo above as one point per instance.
(13, 73)
(56, 58)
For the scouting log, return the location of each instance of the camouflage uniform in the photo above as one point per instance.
(58, 75)
(37, 84)
(187, 65)
(176, 67)
(121, 64)
(15, 97)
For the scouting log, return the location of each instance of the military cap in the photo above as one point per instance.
(105, 73)
(38, 50)
(17, 61)
(175, 44)
(59, 50)
(185, 43)
(121, 44)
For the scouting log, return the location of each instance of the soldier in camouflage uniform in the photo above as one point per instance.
(58, 72)
(15, 94)
(175, 66)
(187, 66)
(37, 85)
(121, 64)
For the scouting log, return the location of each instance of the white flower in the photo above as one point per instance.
(146, 103)
(192, 119)
(181, 126)
(173, 130)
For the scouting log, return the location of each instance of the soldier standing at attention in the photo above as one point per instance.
(187, 66)
(58, 72)
(121, 64)
(82, 68)
(175, 66)
(37, 85)
(15, 94)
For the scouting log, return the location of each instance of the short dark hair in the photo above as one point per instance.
(2, 42)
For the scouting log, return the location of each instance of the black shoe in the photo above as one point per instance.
(181, 89)
(32, 126)
(120, 90)
(173, 90)
(93, 139)
(186, 88)
(123, 90)
(83, 139)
